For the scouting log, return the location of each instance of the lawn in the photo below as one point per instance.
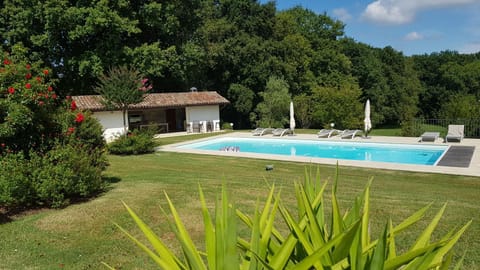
(82, 235)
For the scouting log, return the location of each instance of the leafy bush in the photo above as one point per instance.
(409, 129)
(137, 142)
(87, 132)
(15, 185)
(227, 126)
(49, 151)
(66, 171)
(313, 241)
(49, 179)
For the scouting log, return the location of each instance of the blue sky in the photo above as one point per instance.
(410, 26)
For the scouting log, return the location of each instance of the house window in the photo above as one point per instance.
(135, 119)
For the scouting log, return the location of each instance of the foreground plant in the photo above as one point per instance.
(313, 241)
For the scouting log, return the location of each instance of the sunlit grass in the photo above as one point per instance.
(82, 235)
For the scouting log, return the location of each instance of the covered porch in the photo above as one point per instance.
(195, 119)
(165, 112)
(162, 120)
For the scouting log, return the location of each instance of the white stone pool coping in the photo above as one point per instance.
(472, 170)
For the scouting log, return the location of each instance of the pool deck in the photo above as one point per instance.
(454, 162)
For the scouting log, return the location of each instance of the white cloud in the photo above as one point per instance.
(404, 11)
(342, 14)
(414, 36)
(470, 48)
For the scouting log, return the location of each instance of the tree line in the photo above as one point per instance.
(255, 55)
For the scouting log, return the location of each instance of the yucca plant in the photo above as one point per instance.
(312, 241)
(345, 243)
(220, 239)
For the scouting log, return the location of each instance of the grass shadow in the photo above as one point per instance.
(111, 179)
(9, 214)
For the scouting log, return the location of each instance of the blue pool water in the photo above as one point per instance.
(381, 152)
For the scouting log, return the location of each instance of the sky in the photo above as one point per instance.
(410, 26)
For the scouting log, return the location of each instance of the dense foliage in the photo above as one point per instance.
(234, 47)
(136, 142)
(50, 152)
(314, 238)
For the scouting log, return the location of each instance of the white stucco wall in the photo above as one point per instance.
(112, 123)
(202, 113)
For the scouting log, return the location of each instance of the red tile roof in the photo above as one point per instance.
(157, 100)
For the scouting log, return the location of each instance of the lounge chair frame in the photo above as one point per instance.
(281, 131)
(349, 133)
(455, 133)
(262, 131)
(326, 133)
(429, 136)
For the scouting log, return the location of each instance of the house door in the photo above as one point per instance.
(171, 120)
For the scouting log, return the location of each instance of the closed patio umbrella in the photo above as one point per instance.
(292, 118)
(367, 122)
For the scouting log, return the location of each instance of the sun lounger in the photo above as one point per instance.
(326, 133)
(429, 136)
(281, 131)
(262, 131)
(455, 133)
(257, 130)
(349, 133)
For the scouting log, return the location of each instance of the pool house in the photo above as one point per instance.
(168, 112)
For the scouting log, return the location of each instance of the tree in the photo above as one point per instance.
(273, 110)
(81, 39)
(461, 107)
(242, 100)
(122, 87)
(304, 110)
(339, 106)
(316, 28)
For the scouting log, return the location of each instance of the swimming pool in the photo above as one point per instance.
(363, 151)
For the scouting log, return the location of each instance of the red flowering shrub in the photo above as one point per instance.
(79, 118)
(49, 151)
(26, 106)
(73, 105)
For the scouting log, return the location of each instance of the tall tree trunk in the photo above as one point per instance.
(124, 114)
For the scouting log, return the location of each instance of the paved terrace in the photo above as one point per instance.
(472, 169)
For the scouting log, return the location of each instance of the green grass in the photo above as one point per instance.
(82, 235)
